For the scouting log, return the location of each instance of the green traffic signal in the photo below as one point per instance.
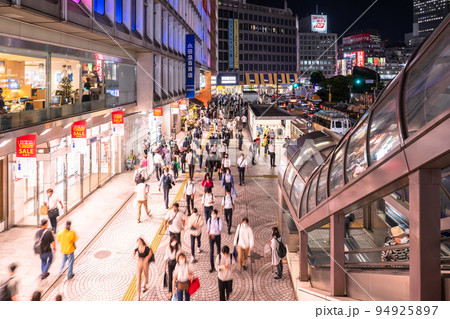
(295, 85)
(358, 81)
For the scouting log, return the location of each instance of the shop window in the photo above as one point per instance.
(66, 82)
(119, 11)
(99, 6)
(133, 15)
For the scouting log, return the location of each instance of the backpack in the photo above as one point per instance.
(138, 177)
(38, 244)
(220, 258)
(5, 292)
(166, 182)
(281, 249)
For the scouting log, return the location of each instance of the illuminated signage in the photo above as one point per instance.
(230, 46)
(183, 104)
(350, 55)
(79, 137)
(99, 69)
(174, 109)
(26, 158)
(118, 126)
(26, 146)
(236, 44)
(319, 23)
(358, 38)
(190, 65)
(360, 58)
(158, 111)
(229, 79)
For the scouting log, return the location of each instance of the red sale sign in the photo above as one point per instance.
(158, 111)
(360, 58)
(319, 23)
(117, 117)
(79, 129)
(26, 146)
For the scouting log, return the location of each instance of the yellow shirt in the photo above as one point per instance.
(67, 239)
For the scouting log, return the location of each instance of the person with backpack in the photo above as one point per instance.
(278, 252)
(142, 189)
(224, 263)
(175, 220)
(244, 242)
(240, 138)
(9, 286)
(214, 228)
(44, 246)
(227, 181)
(175, 167)
(166, 183)
(67, 239)
(195, 224)
(227, 207)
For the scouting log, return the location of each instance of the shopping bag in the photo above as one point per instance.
(235, 253)
(165, 284)
(43, 210)
(193, 287)
(174, 297)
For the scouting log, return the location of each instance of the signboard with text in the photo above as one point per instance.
(99, 69)
(118, 123)
(190, 66)
(230, 44)
(357, 38)
(26, 157)
(183, 105)
(360, 58)
(236, 44)
(174, 109)
(158, 111)
(79, 137)
(319, 23)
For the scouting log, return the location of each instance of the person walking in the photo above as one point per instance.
(190, 163)
(242, 165)
(175, 167)
(252, 150)
(189, 193)
(258, 144)
(208, 201)
(207, 182)
(244, 121)
(214, 229)
(170, 261)
(182, 276)
(227, 181)
(226, 163)
(53, 211)
(244, 242)
(200, 156)
(67, 238)
(195, 225)
(209, 165)
(272, 153)
(240, 138)
(227, 208)
(175, 220)
(224, 263)
(158, 161)
(9, 286)
(265, 144)
(166, 183)
(276, 260)
(142, 190)
(144, 254)
(47, 247)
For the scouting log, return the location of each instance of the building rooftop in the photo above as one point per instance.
(269, 110)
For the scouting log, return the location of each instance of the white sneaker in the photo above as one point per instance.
(199, 250)
(192, 259)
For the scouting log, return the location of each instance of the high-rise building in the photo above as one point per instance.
(428, 14)
(257, 45)
(317, 49)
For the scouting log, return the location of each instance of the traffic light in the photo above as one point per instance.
(358, 81)
(295, 85)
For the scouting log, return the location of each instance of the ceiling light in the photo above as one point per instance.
(46, 131)
(4, 143)
(67, 125)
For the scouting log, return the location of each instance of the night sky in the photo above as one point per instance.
(392, 18)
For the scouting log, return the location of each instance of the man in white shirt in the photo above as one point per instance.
(227, 207)
(244, 121)
(207, 203)
(158, 160)
(189, 192)
(175, 220)
(242, 165)
(272, 153)
(141, 190)
(53, 211)
(214, 229)
(244, 242)
(226, 163)
(190, 162)
(200, 156)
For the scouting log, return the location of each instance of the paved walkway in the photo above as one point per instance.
(106, 271)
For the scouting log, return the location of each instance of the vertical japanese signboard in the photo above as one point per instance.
(230, 44)
(117, 123)
(174, 109)
(190, 66)
(26, 158)
(360, 58)
(183, 105)
(236, 44)
(79, 137)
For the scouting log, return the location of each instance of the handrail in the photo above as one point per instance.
(376, 249)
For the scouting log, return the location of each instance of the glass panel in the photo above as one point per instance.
(60, 180)
(304, 200)
(319, 244)
(94, 166)
(66, 81)
(127, 83)
(282, 166)
(74, 180)
(322, 188)
(288, 179)
(297, 188)
(383, 128)
(445, 191)
(428, 84)
(105, 159)
(86, 173)
(312, 194)
(356, 152)
(23, 199)
(336, 170)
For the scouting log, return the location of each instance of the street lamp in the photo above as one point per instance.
(329, 92)
(350, 99)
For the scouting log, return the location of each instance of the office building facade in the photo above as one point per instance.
(428, 14)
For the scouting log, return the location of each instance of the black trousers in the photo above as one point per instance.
(170, 268)
(53, 222)
(200, 161)
(191, 170)
(166, 197)
(189, 202)
(229, 217)
(280, 269)
(241, 175)
(272, 158)
(158, 171)
(183, 166)
(207, 210)
(193, 238)
(240, 144)
(212, 241)
(225, 289)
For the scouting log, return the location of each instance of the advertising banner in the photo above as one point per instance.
(99, 69)
(183, 104)
(236, 44)
(230, 46)
(79, 137)
(174, 109)
(190, 66)
(118, 124)
(357, 38)
(319, 23)
(158, 111)
(360, 58)
(26, 157)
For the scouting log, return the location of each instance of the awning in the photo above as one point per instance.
(292, 77)
(250, 79)
(279, 77)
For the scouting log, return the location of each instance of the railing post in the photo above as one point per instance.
(303, 255)
(337, 273)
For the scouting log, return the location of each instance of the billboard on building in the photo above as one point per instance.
(230, 46)
(319, 23)
(190, 66)
(118, 123)
(236, 44)
(357, 38)
(79, 137)
(360, 58)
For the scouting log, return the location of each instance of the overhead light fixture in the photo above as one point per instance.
(4, 143)
(107, 114)
(67, 125)
(88, 120)
(46, 131)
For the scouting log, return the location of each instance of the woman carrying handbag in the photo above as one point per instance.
(182, 277)
(170, 258)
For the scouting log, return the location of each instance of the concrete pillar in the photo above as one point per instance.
(303, 255)
(424, 223)
(144, 81)
(337, 274)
